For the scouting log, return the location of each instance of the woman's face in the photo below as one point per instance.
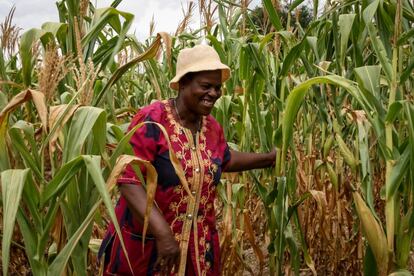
(201, 91)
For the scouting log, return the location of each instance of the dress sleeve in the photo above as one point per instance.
(144, 145)
(226, 149)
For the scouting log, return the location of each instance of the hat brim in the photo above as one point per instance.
(225, 72)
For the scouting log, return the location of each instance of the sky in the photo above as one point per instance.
(167, 13)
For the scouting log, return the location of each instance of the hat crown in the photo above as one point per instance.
(199, 54)
(197, 59)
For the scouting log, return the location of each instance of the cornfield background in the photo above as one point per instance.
(334, 95)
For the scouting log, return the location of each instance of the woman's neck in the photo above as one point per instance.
(186, 118)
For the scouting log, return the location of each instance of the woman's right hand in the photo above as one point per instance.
(168, 248)
(168, 251)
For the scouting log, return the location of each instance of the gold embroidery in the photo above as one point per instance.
(189, 163)
(203, 200)
(174, 138)
(200, 181)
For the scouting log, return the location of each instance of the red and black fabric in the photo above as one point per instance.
(150, 144)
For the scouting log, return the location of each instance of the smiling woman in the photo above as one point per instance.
(183, 236)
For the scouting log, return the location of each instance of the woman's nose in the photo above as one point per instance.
(215, 92)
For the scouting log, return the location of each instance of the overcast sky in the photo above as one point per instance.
(167, 13)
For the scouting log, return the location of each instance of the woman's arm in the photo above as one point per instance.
(168, 249)
(242, 161)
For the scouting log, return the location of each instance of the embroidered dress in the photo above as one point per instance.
(203, 157)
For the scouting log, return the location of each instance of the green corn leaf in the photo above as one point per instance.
(295, 4)
(313, 43)
(244, 63)
(398, 171)
(83, 122)
(296, 98)
(59, 263)
(4, 155)
(25, 144)
(407, 72)
(273, 14)
(217, 46)
(346, 152)
(103, 17)
(327, 145)
(61, 179)
(92, 164)
(405, 37)
(12, 183)
(409, 111)
(149, 53)
(26, 42)
(393, 111)
(400, 272)
(332, 176)
(291, 58)
(223, 20)
(58, 30)
(370, 265)
(315, 8)
(123, 145)
(378, 46)
(29, 234)
(256, 56)
(345, 22)
(368, 78)
(365, 160)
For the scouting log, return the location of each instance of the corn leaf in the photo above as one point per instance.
(84, 120)
(295, 100)
(149, 53)
(401, 272)
(273, 14)
(398, 172)
(59, 116)
(59, 263)
(12, 183)
(378, 46)
(26, 42)
(368, 78)
(345, 26)
(373, 233)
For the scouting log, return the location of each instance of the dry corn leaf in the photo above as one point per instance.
(151, 181)
(151, 184)
(174, 160)
(166, 38)
(24, 96)
(250, 236)
(320, 199)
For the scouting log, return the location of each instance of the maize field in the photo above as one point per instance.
(334, 96)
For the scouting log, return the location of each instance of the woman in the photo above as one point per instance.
(182, 232)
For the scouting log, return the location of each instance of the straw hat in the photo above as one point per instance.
(196, 59)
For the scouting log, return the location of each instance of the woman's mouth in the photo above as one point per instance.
(207, 102)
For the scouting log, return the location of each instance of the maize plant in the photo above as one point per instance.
(334, 97)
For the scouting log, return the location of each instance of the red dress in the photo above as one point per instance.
(203, 159)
